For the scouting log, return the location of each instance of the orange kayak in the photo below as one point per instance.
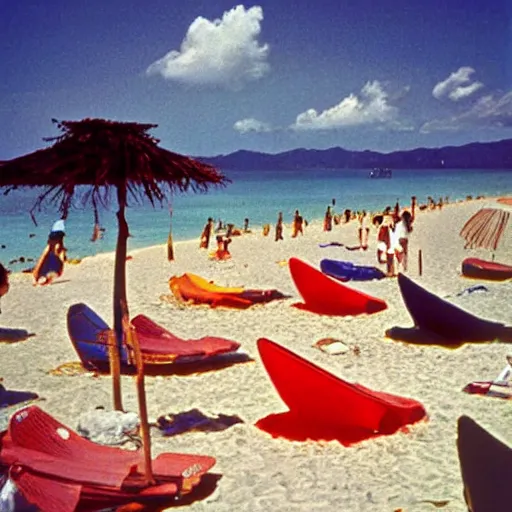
(196, 289)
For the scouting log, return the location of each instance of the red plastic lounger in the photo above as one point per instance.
(154, 338)
(327, 296)
(323, 406)
(57, 470)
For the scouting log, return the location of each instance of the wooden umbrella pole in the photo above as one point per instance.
(170, 248)
(120, 304)
(143, 411)
(115, 369)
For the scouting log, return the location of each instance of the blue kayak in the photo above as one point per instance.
(346, 271)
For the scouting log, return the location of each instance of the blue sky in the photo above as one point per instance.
(269, 76)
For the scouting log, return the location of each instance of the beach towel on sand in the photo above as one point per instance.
(174, 424)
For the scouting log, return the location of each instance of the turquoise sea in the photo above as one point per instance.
(258, 195)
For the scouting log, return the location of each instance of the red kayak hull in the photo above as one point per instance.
(476, 268)
(318, 398)
(325, 295)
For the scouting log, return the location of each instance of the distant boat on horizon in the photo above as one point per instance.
(381, 173)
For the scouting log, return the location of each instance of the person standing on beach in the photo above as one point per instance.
(328, 219)
(403, 229)
(297, 224)
(364, 230)
(205, 235)
(279, 227)
(382, 223)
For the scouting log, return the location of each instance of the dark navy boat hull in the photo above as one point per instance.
(431, 313)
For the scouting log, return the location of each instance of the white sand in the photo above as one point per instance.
(261, 473)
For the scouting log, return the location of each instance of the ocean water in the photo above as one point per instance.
(256, 195)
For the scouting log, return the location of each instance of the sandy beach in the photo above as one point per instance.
(259, 473)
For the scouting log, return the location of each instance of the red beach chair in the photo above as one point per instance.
(57, 470)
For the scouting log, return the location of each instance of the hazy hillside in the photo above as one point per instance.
(478, 155)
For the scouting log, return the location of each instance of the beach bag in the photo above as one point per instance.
(111, 428)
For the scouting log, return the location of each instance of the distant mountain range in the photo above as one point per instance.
(477, 155)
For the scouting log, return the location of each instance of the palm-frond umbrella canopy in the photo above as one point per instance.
(107, 155)
(486, 227)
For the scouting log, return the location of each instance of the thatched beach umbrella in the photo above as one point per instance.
(108, 155)
(486, 227)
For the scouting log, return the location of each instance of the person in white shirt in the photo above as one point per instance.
(402, 231)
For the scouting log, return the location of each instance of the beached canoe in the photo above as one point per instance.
(486, 467)
(434, 314)
(192, 288)
(159, 346)
(346, 270)
(325, 295)
(325, 404)
(476, 268)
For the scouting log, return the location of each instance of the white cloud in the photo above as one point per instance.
(222, 52)
(489, 111)
(457, 85)
(370, 107)
(251, 125)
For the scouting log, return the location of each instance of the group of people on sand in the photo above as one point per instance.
(223, 237)
(393, 232)
(298, 224)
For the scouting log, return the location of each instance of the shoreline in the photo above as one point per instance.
(255, 230)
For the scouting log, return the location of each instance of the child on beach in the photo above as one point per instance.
(222, 252)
